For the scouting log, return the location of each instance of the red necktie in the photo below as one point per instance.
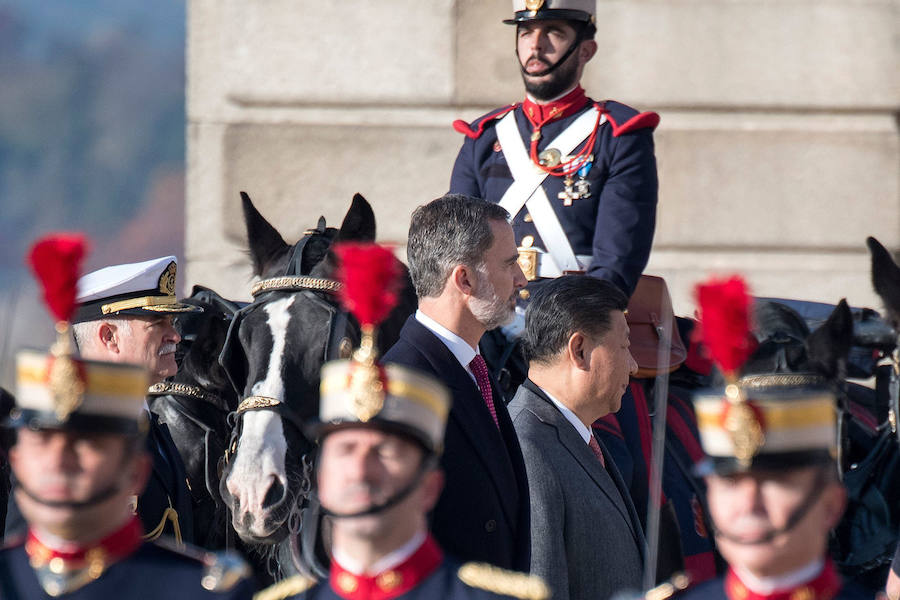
(593, 445)
(479, 370)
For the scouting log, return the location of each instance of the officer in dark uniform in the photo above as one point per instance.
(78, 458)
(773, 488)
(577, 175)
(381, 433)
(125, 314)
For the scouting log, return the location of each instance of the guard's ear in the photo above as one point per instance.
(828, 346)
(359, 222)
(263, 240)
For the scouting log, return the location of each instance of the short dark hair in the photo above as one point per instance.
(566, 305)
(452, 230)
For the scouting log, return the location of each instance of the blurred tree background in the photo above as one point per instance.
(91, 139)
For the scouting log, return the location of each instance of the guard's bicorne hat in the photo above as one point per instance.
(60, 390)
(569, 10)
(144, 288)
(363, 392)
(777, 421)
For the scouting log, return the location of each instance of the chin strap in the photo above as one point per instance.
(796, 516)
(97, 498)
(427, 464)
(578, 39)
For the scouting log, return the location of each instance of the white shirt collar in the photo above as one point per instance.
(768, 585)
(583, 430)
(460, 348)
(386, 562)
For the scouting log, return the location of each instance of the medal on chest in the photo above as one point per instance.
(580, 189)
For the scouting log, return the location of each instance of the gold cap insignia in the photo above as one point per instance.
(66, 385)
(743, 426)
(167, 280)
(366, 391)
(533, 5)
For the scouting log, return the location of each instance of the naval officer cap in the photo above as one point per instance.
(543, 10)
(145, 288)
(59, 389)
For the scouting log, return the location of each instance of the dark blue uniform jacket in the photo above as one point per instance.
(615, 225)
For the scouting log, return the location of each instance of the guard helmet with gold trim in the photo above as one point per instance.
(389, 397)
(145, 288)
(570, 10)
(67, 392)
(776, 421)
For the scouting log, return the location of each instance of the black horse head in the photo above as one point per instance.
(274, 353)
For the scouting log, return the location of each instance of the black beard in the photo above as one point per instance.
(563, 78)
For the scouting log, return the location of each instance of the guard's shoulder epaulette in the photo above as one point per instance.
(624, 119)
(221, 570)
(476, 128)
(503, 582)
(289, 587)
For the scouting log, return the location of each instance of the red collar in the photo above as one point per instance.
(824, 587)
(113, 547)
(571, 103)
(391, 583)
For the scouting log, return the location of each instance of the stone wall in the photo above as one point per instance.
(778, 149)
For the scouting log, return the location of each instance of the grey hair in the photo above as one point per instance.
(85, 333)
(452, 230)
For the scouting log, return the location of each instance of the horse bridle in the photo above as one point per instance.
(332, 350)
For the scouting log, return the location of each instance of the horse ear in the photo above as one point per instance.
(263, 240)
(885, 278)
(359, 222)
(828, 346)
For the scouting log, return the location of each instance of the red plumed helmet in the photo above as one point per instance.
(370, 278)
(56, 261)
(724, 326)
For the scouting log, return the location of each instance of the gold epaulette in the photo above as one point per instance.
(289, 587)
(503, 582)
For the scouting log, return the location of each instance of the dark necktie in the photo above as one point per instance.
(479, 370)
(595, 447)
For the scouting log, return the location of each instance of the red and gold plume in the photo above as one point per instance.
(56, 261)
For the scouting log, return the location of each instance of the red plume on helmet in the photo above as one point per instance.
(56, 261)
(369, 276)
(370, 279)
(724, 326)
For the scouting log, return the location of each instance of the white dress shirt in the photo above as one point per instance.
(459, 347)
(583, 430)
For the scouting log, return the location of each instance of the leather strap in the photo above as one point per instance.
(526, 189)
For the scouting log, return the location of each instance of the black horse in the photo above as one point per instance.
(195, 405)
(275, 349)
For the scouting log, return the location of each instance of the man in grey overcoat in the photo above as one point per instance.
(586, 539)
